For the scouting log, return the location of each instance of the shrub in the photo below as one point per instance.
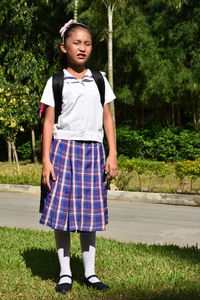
(162, 144)
(130, 142)
(25, 150)
(125, 172)
(128, 166)
(188, 168)
(188, 144)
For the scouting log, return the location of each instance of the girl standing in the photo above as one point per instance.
(73, 162)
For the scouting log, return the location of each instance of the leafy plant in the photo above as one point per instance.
(188, 168)
(25, 150)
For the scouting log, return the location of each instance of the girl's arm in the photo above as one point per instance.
(47, 168)
(111, 162)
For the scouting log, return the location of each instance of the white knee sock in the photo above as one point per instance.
(88, 242)
(63, 248)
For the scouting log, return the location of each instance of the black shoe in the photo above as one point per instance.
(97, 285)
(63, 288)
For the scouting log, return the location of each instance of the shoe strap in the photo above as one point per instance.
(65, 276)
(91, 277)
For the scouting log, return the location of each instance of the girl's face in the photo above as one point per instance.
(77, 46)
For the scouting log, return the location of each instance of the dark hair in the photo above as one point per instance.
(73, 26)
(63, 57)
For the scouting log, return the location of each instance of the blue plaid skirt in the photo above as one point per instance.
(77, 200)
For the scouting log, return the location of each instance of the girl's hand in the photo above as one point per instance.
(47, 174)
(111, 167)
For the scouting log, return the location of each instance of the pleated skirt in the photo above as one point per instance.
(77, 200)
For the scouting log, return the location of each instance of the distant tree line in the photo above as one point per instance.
(156, 59)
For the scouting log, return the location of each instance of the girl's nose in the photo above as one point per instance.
(82, 48)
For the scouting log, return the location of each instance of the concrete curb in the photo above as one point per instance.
(158, 198)
(19, 188)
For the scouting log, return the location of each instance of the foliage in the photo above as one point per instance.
(13, 105)
(125, 172)
(157, 57)
(25, 150)
(23, 52)
(26, 49)
(189, 169)
(157, 143)
(127, 166)
(130, 142)
(156, 65)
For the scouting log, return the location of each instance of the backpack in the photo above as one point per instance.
(57, 85)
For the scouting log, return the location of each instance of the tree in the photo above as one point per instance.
(13, 103)
(175, 3)
(26, 56)
(75, 10)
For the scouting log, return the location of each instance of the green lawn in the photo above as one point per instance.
(29, 268)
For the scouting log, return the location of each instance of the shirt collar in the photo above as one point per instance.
(67, 75)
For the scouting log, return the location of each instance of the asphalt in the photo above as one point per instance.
(131, 219)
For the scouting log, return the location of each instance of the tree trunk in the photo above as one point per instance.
(75, 10)
(34, 156)
(110, 56)
(15, 156)
(142, 114)
(173, 114)
(178, 114)
(9, 151)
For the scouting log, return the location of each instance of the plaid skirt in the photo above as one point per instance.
(77, 200)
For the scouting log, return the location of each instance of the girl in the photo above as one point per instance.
(73, 163)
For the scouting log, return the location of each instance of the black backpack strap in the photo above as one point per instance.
(98, 78)
(57, 85)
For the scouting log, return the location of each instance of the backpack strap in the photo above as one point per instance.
(57, 84)
(98, 78)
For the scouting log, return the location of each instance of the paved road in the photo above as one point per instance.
(129, 221)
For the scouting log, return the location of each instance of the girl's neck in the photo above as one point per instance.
(77, 72)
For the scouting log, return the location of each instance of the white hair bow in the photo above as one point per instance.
(66, 26)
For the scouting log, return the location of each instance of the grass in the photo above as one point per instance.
(168, 184)
(30, 174)
(29, 267)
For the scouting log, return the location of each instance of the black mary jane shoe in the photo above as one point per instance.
(63, 288)
(100, 286)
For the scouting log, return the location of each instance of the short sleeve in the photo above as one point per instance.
(109, 95)
(47, 96)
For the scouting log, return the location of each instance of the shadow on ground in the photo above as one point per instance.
(44, 263)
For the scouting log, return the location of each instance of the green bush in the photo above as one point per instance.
(188, 168)
(129, 166)
(162, 144)
(130, 142)
(25, 151)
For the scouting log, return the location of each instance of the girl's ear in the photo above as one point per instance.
(63, 48)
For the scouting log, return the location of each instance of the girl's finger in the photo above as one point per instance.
(53, 175)
(113, 172)
(47, 183)
(45, 180)
(107, 168)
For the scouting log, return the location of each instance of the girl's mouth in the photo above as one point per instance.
(81, 55)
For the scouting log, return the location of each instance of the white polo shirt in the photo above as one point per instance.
(82, 112)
